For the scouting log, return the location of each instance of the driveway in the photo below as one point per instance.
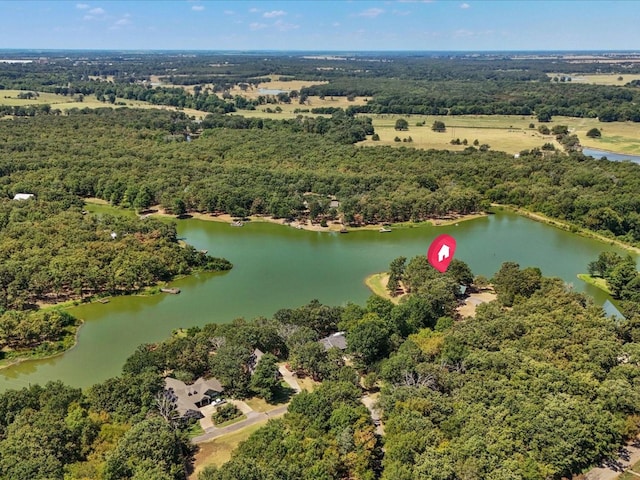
(252, 418)
(288, 377)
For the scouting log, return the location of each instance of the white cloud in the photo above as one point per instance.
(464, 6)
(82, 6)
(370, 13)
(335, 24)
(284, 26)
(274, 14)
(228, 12)
(401, 13)
(253, 10)
(123, 21)
(197, 8)
(97, 11)
(257, 26)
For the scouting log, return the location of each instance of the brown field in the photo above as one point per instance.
(218, 451)
(505, 133)
(10, 97)
(600, 79)
(509, 134)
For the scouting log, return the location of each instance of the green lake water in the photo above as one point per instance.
(277, 266)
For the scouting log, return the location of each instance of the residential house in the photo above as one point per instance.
(189, 399)
(336, 340)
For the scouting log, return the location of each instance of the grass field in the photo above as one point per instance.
(218, 451)
(377, 283)
(505, 133)
(597, 282)
(510, 134)
(10, 97)
(601, 79)
(307, 383)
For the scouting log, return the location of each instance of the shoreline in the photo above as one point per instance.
(539, 217)
(376, 282)
(19, 360)
(314, 227)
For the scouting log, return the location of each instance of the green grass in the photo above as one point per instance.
(377, 283)
(597, 282)
(195, 430)
(282, 397)
(231, 422)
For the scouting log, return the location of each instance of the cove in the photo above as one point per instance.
(277, 267)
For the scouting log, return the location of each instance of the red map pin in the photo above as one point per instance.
(441, 252)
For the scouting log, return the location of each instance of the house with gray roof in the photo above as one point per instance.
(189, 399)
(336, 340)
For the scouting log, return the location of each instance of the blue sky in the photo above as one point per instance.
(322, 25)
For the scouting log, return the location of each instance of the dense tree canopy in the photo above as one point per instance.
(527, 393)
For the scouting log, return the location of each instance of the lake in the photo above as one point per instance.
(616, 157)
(277, 267)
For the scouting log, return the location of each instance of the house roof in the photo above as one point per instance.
(23, 196)
(186, 397)
(337, 340)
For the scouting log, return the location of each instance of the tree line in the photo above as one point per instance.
(292, 169)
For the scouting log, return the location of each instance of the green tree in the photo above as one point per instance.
(396, 271)
(620, 277)
(510, 282)
(310, 358)
(594, 133)
(402, 124)
(369, 341)
(604, 264)
(438, 126)
(265, 381)
(230, 365)
(151, 445)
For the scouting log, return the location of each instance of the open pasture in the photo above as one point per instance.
(506, 133)
(599, 79)
(62, 102)
(510, 134)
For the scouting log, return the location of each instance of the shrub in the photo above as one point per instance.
(438, 126)
(224, 413)
(594, 133)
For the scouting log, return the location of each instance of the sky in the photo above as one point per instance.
(321, 25)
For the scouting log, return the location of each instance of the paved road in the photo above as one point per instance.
(252, 419)
(612, 470)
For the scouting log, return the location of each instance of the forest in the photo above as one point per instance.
(291, 169)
